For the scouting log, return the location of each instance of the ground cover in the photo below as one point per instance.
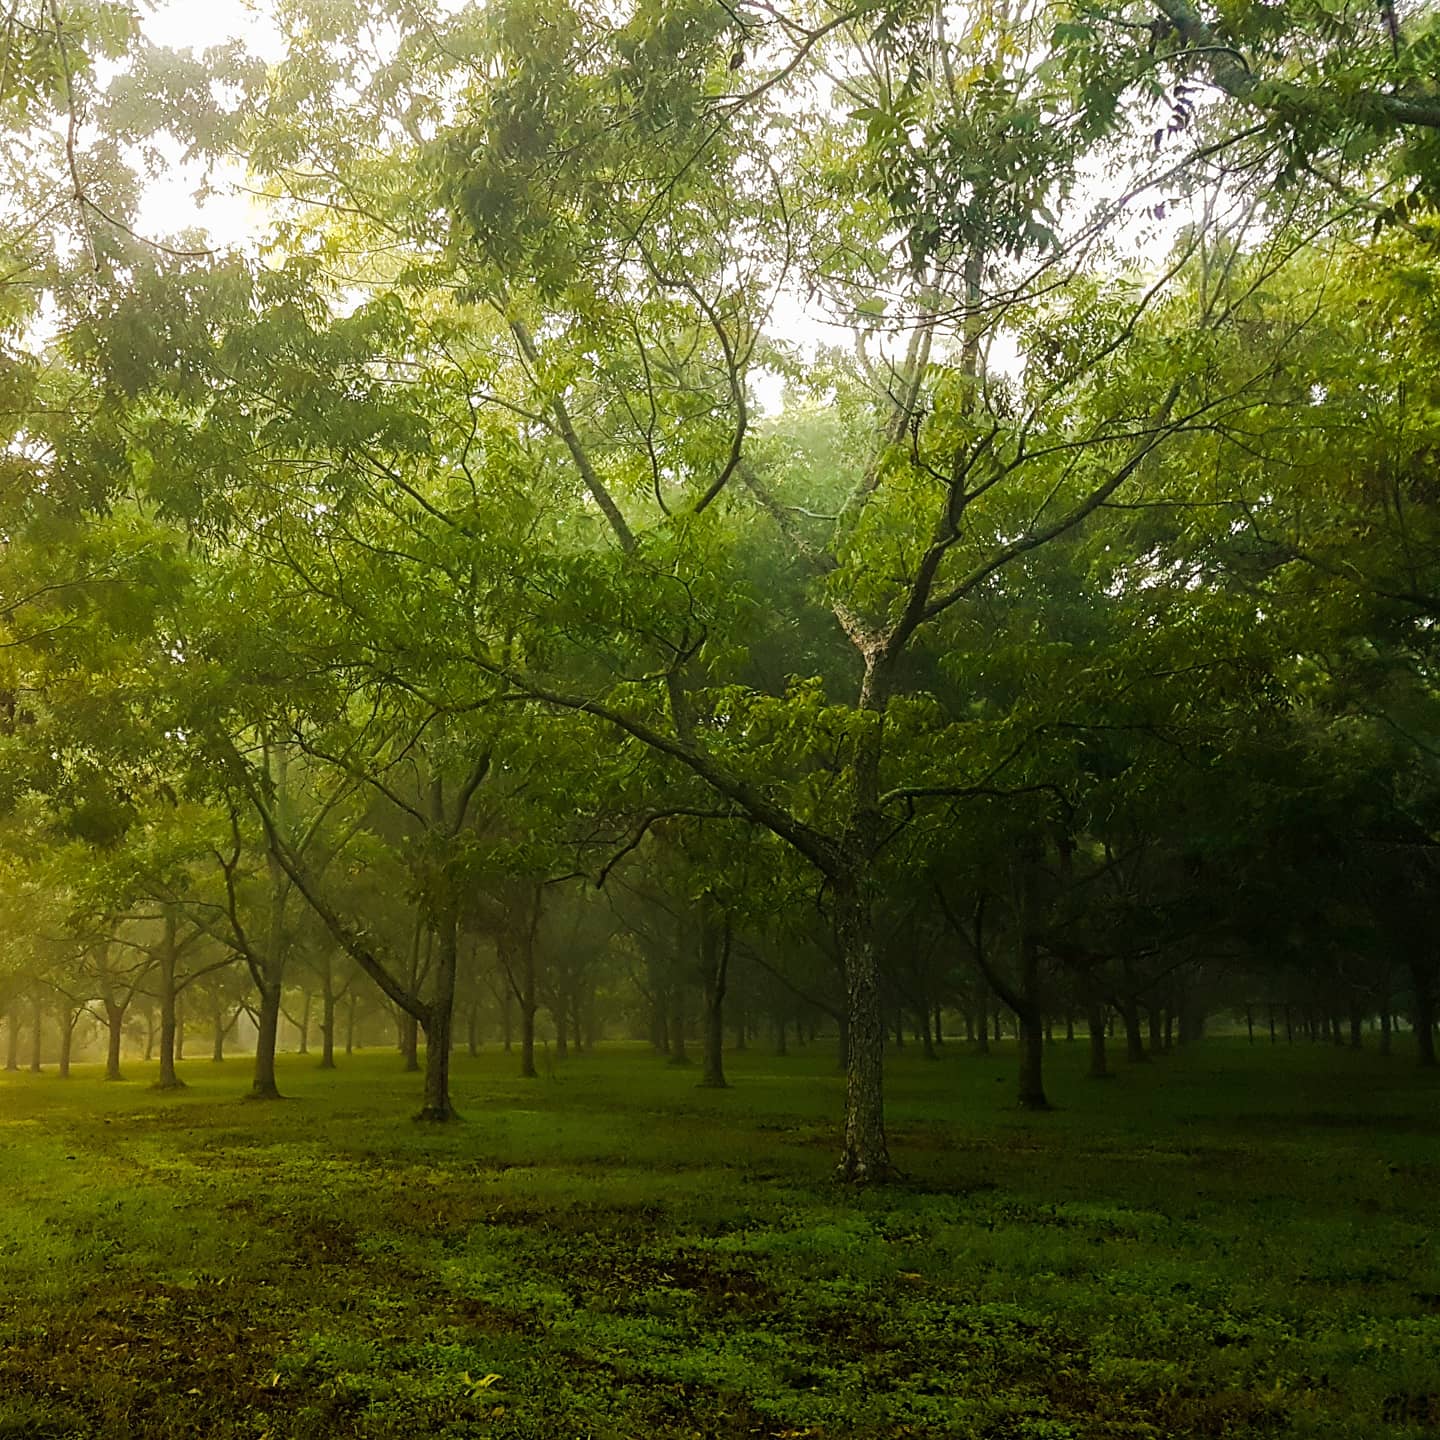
(1228, 1242)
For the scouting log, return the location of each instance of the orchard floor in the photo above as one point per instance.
(1228, 1242)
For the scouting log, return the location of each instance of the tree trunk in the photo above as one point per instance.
(1387, 1026)
(472, 1030)
(440, 1015)
(926, 1040)
(168, 1079)
(350, 1019)
(37, 1034)
(1095, 1021)
(304, 1025)
(526, 999)
(327, 1017)
(1422, 977)
(1357, 1021)
(866, 1155)
(982, 1022)
(715, 963)
(939, 1026)
(780, 1045)
(560, 1015)
(267, 1026)
(114, 1024)
(1033, 1029)
(1157, 1030)
(12, 1037)
(1069, 1024)
(219, 1027)
(68, 1018)
(1134, 1040)
(410, 1041)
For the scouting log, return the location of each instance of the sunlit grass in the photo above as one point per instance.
(1231, 1241)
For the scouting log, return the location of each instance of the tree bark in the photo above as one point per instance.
(327, 1017)
(168, 1079)
(267, 1023)
(68, 1018)
(114, 1023)
(1134, 1039)
(1095, 1022)
(439, 1018)
(37, 1033)
(715, 962)
(865, 1155)
(1422, 983)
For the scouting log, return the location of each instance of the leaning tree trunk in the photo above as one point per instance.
(714, 961)
(866, 1154)
(438, 1019)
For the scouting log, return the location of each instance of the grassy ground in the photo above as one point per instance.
(1231, 1242)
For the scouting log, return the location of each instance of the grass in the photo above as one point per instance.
(1230, 1242)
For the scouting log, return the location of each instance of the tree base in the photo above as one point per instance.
(271, 1093)
(1035, 1102)
(711, 1083)
(853, 1171)
(176, 1084)
(437, 1115)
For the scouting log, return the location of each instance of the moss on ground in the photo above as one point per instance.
(1230, 1242)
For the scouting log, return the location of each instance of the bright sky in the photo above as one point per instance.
(170, 202)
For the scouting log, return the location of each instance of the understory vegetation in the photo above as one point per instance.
(1235, 1241)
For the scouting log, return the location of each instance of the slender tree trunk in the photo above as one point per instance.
(351, 1007)
(68, 1017)
(559, 1013)
(526, 946)
(507, 1019)
(1095, 1022)
(927, 1041)
(219, 1027)
(715, 964)
(1270, 1016)
(37, 1033)
(179, 1025)
(995, 1015)
(12, 1037)
(440, 1015)
(327, 1015)
(982, 1021)
(1250, 1024)
(1134, 1040)
(1157, 1031)
(304, 1025)
(939, 1026)
(1357, 1022)
(472, 1030)
(1069, 1024)
(168, 1079)
(150, 1032)
(1033, 1028)
(1422, 978)
(1387, 1025)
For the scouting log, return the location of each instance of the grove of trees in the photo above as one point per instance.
(704, 520)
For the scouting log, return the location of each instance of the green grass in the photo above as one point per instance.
(1229, 1242)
